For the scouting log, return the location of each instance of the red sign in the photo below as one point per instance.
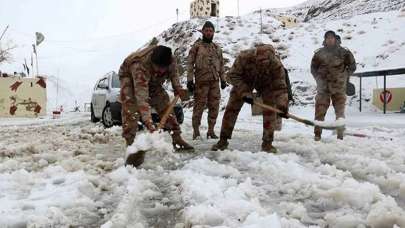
(388, 96)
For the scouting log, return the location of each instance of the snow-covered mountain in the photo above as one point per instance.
(376, 39)
(340, 9)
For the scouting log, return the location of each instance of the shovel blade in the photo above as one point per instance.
(135, 159)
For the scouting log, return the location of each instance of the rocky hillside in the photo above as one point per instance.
(339, 9)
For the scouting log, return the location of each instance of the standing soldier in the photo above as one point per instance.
(142, 75)
(331, 67)
(206, 67)
(260, 69)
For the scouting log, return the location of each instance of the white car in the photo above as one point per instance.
(105, 105)
(104, 101)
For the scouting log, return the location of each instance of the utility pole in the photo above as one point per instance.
(238, 8)
(177, 13)
(4, 32)
(261, 21)
(34, 47)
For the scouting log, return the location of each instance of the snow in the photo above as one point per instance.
(70, 172)
(339, 123)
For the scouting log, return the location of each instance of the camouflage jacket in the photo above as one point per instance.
(205, 62)
(259, 68)
(331, 68)
(146, 81)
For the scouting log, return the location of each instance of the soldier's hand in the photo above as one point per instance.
(248, 99)
(190, 86)
(284, 113)
(223, 84)
(149, 125)
(183, 94)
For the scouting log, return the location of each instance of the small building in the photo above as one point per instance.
(204, 8)
(287, 21)
(22, 97)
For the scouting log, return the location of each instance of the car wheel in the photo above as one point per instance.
(92, 116)
(107, 117)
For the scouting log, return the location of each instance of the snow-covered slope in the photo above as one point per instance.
(339, 9)
(376, 39)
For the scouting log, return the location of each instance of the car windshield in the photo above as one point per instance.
(115, 81)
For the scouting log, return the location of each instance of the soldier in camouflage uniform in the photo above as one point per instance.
(206, 67)
(331, 67)
(258, 68)
(142, 75)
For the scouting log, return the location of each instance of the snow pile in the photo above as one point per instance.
(154, 143)
(217, 198)
(46, 199)
(339, 123)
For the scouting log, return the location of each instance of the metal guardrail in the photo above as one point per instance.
(379, 73)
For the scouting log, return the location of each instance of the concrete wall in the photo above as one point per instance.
(22, 97)
(397, 100)
(203, 8)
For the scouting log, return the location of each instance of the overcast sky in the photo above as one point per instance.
(85, 39)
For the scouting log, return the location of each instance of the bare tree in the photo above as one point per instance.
(5, 52)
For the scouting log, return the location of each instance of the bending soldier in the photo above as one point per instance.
(258, 68)
(142, 75)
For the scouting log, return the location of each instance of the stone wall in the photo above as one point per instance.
(204, 8)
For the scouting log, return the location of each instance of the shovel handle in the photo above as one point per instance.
(276, 110)
(167, 112)
(292, 116)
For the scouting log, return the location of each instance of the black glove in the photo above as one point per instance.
(190, 86)
(248, 99)
(284, 113)
(223, 84)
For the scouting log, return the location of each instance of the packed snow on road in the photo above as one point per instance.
(56, 173)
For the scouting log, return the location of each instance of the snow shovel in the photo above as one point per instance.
(301, 120)
(136, 159)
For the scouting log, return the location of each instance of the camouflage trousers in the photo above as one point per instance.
(233, 108)
(159, 100)
(322, 103)
(206, 94)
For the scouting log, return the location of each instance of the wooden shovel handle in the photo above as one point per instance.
(292, 116)
(167, 112)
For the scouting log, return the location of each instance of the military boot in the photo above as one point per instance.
(211, 135)
(222, 144)
(318, 133)
(269, 148)
(135, 159)
(179, 144)
(340, 134)
(196, 134)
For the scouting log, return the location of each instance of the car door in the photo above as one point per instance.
(94, 99)
(100, 96)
